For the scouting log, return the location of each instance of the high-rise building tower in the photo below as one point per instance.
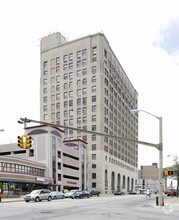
(84, 86)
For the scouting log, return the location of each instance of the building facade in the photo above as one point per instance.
(50, 162)
(83, 85)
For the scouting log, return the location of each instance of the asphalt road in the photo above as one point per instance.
(94, 208)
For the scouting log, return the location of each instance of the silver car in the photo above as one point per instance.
(58, 195)
(39, 195)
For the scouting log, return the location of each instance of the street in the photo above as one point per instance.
(103, 207)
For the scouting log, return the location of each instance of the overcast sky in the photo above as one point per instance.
(144, 35)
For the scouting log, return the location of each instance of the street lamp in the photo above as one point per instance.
(160, 148)
(176, 171)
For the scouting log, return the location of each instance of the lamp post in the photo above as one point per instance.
(160, 148)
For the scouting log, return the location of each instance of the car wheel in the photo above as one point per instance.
(97, 194)
(88, 197)
(62, 197)
(54, 197)
(49, 198)
(37, 199)
(81, 197)
(27, 201)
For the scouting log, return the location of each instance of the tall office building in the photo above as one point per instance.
(84, 86)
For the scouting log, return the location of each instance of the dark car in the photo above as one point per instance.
(118, 193)
(80, 195)
(93, 192)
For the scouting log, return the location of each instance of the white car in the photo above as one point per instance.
(39, 195)
(70, 193)
(58, 195)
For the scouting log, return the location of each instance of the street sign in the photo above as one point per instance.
(161, 181)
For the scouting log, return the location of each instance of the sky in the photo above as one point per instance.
(144, 35)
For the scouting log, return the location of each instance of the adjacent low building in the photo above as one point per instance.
(51, 162)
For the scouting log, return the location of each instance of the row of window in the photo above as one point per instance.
(78, 72)
(70, 56)
(16, 168)
(79, 120)
(79, 81)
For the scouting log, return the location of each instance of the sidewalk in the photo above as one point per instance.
(172, 202)
(4, 200)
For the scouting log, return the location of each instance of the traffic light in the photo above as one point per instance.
(20, 141)
(170, 173)
(28, 142)
(165, 173)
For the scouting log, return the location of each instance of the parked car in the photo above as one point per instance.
(131, 192)
(58, 195)
(70, 193)
(171, 193)
(119, 192)
(93, 192)
(39, 195)
(80, 195)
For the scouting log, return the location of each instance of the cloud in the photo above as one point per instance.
(169, 38)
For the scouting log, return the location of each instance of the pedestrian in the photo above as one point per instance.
(148, 193)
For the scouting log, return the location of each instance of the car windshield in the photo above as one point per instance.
(35, 192)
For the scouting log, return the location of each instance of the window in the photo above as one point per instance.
(93, 156)
(93, 118)
(45, 98)
(84, 90)
(94, 51)
(78, 120)
(93, 108)
(93, 146)
(71, 56)
(57, 79)
(93, 137)
(71, 84)
(65, 122)
(45, 108)
(57, 69)
(84, 52)
(78, 73)
(93, 127)
(84, 110)
(65, 76)
(93, 79)
(57, 105)
(71, 112)
(93, 175)
(70, 65)
(78, 54)
(70, 93)
(94, 59)
(44, 81)
(65, 67)
(45, 72)
(71, 103)
(66, 104)
(65, 86)
(93, 185)
(58, 96)
(84, 81)
(45, 64)
(93, 88)
(85, 138)
(78, 111)
(84, 101)
(93, 69)
(58, 115)
(78, 101)
(45, 90)
(84, 71)
(79, 82)
(78, 64)
(65, 58)
(84, 62)
(57, 87)
(45, 117)
(71, 122)
(65, 95)
(94, 98)
(78, 91)
(65, 113)
(71, 75)
(57, 60)
(84, 119)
